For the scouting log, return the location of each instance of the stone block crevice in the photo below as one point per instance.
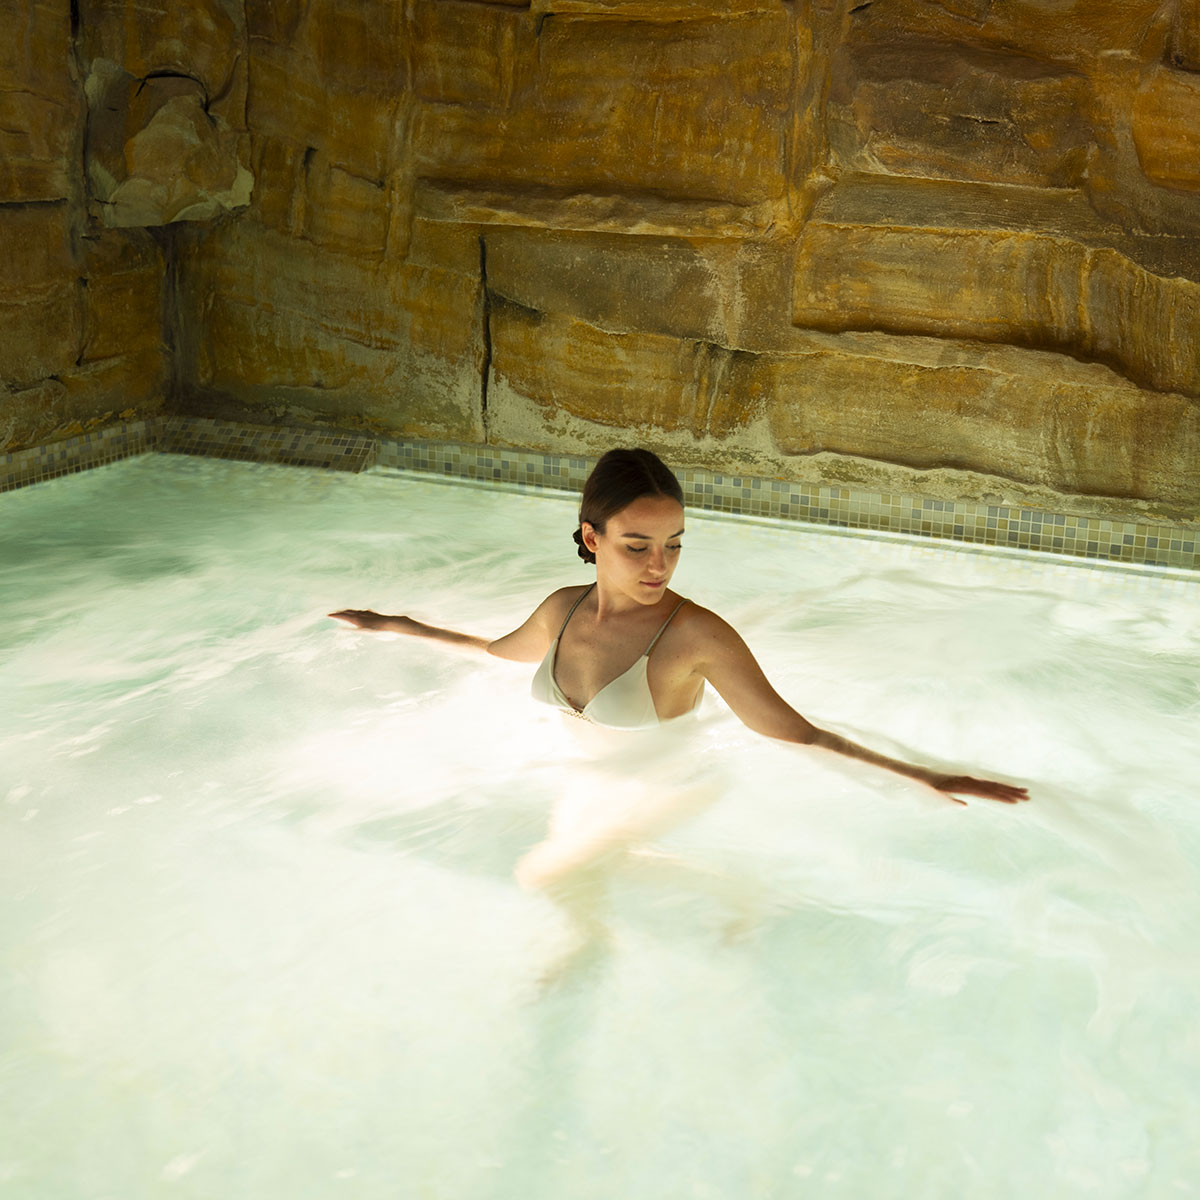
(485, 369)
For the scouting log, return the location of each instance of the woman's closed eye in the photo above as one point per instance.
(643, 549)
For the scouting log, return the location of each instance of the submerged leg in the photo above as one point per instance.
(596, 831)
(580, 899)
(743, 895)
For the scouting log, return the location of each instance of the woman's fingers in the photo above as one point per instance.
(989, 789)
(362, 618)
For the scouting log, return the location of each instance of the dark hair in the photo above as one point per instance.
(616, 481)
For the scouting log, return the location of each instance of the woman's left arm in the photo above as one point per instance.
(726, 662)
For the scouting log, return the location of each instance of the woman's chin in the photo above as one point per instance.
(650, 595)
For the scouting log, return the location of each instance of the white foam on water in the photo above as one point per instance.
(261, 935)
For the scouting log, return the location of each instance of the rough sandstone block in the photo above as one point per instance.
(80, 399)
(961, 113)
(997, 278)
(1166, 129)
(654, 10)
(448, 246)
(201, 40)
(302, 193)
(80, 325)
(41, 293)
(1030, 96)
(155, 155)
(468, 53)
(344, 46)
(39, 105)
(1070, 33)
(729, 292)
(1100, 438)
(300, 329)
(123, 298)
(354, 129)
(620, 380)
(1184, 50)
(618, 283)
(532, 206)
(692, 110)
(578, 120)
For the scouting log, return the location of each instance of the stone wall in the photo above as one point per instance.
(939, 245)
(115, 121)
(79, 306)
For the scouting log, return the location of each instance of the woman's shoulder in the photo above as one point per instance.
(559, 602)
(702, 624)
(694, 613)
(569, 594)
(706, 638)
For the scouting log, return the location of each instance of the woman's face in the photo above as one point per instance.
(639, 549)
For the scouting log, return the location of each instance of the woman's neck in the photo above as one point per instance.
(613, 604)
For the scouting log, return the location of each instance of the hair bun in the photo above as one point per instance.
(584, 552)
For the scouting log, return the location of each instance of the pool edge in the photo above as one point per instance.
(1097, 539)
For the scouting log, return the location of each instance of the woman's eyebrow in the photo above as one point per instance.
(645, 537)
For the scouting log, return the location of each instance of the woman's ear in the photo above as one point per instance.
(589, 535)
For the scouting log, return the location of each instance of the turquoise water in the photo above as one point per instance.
(260, 937)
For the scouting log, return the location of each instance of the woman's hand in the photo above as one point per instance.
(967, 785)
(364, 618)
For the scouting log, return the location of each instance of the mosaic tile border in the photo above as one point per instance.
(1013, 527)
(495, 464)
(986, 525)
(20, 468)
(1130, 543)
(335, 450)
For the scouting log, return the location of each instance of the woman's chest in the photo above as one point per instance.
(588, 661)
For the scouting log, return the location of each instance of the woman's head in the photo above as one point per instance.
(620, 478)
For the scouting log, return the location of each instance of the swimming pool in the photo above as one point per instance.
(261, 938)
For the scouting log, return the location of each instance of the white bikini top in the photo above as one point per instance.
(625, 703)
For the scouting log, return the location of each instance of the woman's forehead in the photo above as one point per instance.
(661, 515)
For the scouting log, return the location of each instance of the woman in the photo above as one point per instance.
(628, 653)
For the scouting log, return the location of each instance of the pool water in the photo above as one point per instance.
(260, 936)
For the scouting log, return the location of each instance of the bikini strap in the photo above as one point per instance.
(577, 604)
(662, 628)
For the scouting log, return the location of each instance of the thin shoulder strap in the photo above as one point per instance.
(577, 604)
(663, 626)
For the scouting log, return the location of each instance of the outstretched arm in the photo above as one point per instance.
(528, 643)
(728, 665)
(364, 618)
(949, 784)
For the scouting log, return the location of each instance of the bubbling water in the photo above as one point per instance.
(262, 936)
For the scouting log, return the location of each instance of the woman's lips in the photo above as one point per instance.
(647, 583)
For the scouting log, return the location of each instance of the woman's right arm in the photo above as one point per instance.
(528, 643)
(364, 618)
